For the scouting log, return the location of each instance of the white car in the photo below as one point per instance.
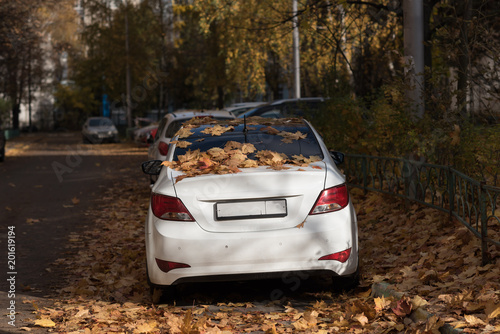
(252, 198)
(172, 122)
(97, 130)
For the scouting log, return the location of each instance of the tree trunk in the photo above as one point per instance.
(16, 109)
(463, 61)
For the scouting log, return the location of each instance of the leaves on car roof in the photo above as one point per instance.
(234, 155)
(184, 132)
(222, 126)
(289, 137)
(217, 130)
(181, 143)
(231, 158)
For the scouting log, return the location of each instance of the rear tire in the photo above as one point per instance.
(161, 294)
(346, 283)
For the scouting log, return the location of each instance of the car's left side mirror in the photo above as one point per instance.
(152, 167)
(338, 157)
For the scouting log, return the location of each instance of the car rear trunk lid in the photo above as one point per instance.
(257, 199)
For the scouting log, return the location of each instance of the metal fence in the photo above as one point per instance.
(475, 204)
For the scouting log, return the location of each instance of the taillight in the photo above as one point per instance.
(340, 256)
(331, 199)
(166, 266)
(169, 208)
(163, 148)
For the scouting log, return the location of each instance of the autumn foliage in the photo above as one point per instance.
(434, 263)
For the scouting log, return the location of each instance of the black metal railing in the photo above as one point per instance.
(475, 204)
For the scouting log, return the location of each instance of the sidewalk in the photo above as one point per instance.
(24, 317)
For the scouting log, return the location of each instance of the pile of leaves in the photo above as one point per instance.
(433, 261)
(235, 155)
(231, 158)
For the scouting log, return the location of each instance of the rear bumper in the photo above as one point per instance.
(249, 255)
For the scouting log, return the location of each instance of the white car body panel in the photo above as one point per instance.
(251, 246)
(291, 249)
(300, 189)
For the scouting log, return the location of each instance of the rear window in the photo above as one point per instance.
(308, 146)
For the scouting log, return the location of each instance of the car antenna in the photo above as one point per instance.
(245, 130)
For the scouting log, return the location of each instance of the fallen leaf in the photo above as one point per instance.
(45, 323)
(289, 137)
(403, 307)
(381, 303)
(418, 301)
(270, 130)
(181, 143)
(217, 130)
(301, 225)
(184, 132)
(361, 318)
(474, 321)
(495, 313)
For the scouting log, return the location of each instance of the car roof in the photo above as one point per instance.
(304, 99)
(252, 124)
(188, 114)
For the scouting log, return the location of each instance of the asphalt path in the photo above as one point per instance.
(48, 182)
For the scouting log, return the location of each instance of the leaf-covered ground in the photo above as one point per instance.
(436, 263)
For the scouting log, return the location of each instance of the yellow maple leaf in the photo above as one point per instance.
(289, 137)
(472, 320)
(381, 303)
(45, 323)
(248, 148)
(361, 318)
(494, 313)
(170, 164)
(146, 327)
(270, 130)
(183, 132)
(232, 145)
(249, 163)
(205, 163)
(181, 143)
(217, 130)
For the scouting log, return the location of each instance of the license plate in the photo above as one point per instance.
(251, 209)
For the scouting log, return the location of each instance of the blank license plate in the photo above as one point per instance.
(251, 209)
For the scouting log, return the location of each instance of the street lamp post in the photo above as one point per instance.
(127, 69)
(296, 56)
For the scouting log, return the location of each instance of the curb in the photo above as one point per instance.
(383, 289)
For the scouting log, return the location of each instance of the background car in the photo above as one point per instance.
(303, 107)
(239, 108)
(145, 135)
(245, 201)
(172, 122)
(97, 130)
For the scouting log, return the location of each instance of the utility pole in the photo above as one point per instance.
(127, 55)
(296, 56)
(413, 16)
